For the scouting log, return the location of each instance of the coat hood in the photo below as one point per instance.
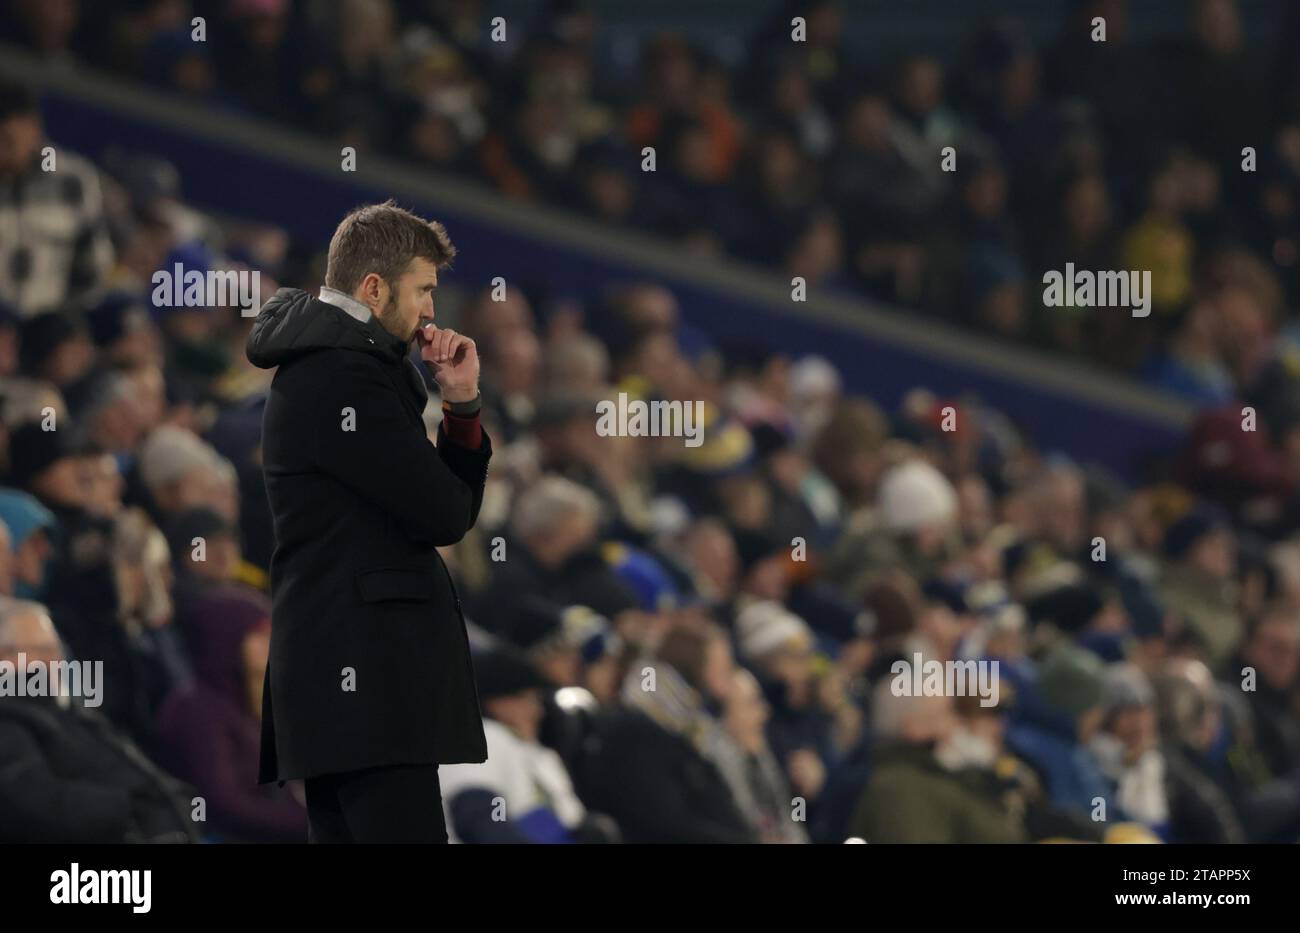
(215, 627)
(293, 323)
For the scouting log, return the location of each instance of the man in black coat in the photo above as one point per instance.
(370, 685)
(66, 775)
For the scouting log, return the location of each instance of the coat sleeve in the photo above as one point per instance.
(470, 465)
(364, 439)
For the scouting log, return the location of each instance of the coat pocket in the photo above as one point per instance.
(392, 585)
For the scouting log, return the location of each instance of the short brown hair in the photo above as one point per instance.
(384, 239)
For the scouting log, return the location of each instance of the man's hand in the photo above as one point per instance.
(453, 359)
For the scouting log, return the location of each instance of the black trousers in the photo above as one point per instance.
(402, 803)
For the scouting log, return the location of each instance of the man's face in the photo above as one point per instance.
(713, 553)
(746, 712)
(20, 136)
(562, 664)
(103, 484)
(220, 561)
(31, 633)
(72, 360)
(406, 304)
(1135, 727)
(1275, 651)
(520, 712)
(150, 393)
(1215, 555)
(767, 579)
(569, 535)
(792, 665)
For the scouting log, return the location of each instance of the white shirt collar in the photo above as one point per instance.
(345, 302)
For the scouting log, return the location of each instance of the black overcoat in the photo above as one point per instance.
(370, 662)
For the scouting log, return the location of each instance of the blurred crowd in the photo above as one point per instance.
(672, 643)
(812, 157)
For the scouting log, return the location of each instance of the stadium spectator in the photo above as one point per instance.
(68, 776)
(65, 252)
(824, 530)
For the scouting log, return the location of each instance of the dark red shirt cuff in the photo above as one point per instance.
(464, 430)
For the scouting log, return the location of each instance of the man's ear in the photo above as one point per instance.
(372, 292)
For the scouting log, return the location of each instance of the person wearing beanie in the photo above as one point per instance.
(765, 628)
(599, 650)
(55, 347)
(1090, 614)
(522, 780)
(1204, 807)
(123, 331)
(108, 594)
(30, 526)
(209, 731)
(915, 497)
(1188, 533)
(204, 545)
(1055, 718)
(83, 588)
(764, 564)
(1071, 680)
(812, 724)
(643, 574)
(1127, 749)
(1070, 608)
(1198, 582)
(537, 629)
(46, 464)
(914, 528)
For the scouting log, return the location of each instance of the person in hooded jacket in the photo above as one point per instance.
(209, 732)
(370, 685)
